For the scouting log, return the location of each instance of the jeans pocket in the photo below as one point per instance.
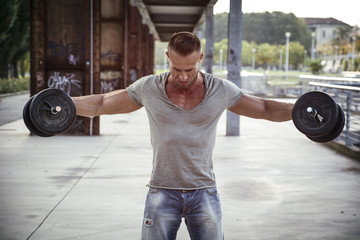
(212, 191)
(154, 190)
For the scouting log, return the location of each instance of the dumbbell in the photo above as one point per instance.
(318, 116)
(50, 112)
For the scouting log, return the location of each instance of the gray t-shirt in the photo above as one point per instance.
(183, 140)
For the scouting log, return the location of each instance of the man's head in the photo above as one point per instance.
(184, 55)
(184, 43)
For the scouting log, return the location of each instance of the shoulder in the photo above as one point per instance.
(150, 81)
(223, 88)
(145, 87)
(212, 81)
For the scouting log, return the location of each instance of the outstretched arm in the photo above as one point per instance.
(260, 108)
(109, 103)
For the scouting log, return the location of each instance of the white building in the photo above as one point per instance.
(324, 29)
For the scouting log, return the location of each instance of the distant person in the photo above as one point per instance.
(183, 107)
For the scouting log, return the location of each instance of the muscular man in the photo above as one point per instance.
(183, 107)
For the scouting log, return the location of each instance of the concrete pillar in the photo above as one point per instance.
(209, 48)
(234, 60)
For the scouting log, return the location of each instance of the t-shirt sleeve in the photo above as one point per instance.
(234, 93)
(135, 91)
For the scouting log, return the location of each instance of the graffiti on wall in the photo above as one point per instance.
(109, 81)
(40, 79)
(112, 56)
(71, 50)
(63, 82)
(73, 60)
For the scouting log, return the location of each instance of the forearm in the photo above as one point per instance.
(278, 111)
(88, 106)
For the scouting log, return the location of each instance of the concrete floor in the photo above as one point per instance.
(274, 183)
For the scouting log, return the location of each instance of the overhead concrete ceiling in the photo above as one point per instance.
(165, 17)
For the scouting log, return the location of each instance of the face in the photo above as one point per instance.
(184, 69)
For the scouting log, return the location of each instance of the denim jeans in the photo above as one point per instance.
(164, 210)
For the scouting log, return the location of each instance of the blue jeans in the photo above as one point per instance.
(165, 208)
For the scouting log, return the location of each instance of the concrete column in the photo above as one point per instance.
(234, 60)
(209, 48)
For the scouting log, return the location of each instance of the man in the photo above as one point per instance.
(183, 107)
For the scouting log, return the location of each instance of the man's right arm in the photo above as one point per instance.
(109, 103)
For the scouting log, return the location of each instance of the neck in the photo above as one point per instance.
(187, 90)
(186, 98)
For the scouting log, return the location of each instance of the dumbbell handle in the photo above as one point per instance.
(315, 114)
(54, 110)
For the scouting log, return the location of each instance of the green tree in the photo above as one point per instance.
(223, 44)
(271, 27)
(246, 57)
(264, 28)
(15, 37)
(266, 55)
(159, 52)
(8, 11)
(296, 54)
(221, 27)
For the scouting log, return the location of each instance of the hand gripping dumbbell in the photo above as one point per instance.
(318, 116)
(49, 112)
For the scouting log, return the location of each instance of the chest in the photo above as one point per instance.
(166, 108)
(187, 101)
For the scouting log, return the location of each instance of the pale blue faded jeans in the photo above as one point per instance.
(164, 210)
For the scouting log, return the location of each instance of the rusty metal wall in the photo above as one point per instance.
(140, 54)
(67, 54)
(112, 45)
(60, 49)
(133, 53)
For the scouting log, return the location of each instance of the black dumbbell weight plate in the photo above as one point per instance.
(334, 132)
(325, 107)
(52, 111)
(27, 120)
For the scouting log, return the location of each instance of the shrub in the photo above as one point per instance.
(316, 66)
(346, 65)
(356, 64)
(14, 85)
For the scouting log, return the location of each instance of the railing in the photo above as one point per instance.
(271, 86)
(345, 91)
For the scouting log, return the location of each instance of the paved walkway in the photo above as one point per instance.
(11, 106)
(274, 183)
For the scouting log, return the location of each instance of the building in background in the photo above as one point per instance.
(325, 31)
(334, 42)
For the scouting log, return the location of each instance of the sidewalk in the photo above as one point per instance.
(274, 183)
(11, 106)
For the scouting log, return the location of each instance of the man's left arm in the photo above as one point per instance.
(260, 108)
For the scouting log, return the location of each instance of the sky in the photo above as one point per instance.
(347, 11)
